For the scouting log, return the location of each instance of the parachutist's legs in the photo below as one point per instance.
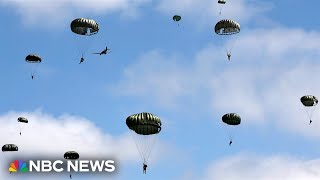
(310, 122)
(20, 133)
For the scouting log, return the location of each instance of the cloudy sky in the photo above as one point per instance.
(179, 73)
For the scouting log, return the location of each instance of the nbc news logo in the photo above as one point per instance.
(18, 165)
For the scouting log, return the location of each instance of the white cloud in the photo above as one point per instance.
(156, 75)
(55, 11)
(268, 73)
(252, 167)
(49, 136)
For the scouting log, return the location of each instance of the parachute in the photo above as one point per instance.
(22, 121)
(145, 126)
(83, 26)
(231, 120)
(9, 148)
(83, 29)
(34, 60)
(176, 18)
(308, 102)
(72, 155)
(227, 27)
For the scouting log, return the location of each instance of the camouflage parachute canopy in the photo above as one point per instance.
(33, 58)
(83, 26)
(144, 123)
(309, 100)
(221, 1)
(231, 119)
(22, 120)
(71, 155)
(9, 147)
(227, 27)
(176, 18)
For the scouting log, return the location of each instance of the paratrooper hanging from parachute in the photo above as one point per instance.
(144, 127)
(227, 27)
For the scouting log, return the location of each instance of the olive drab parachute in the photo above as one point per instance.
(22, 122)
(227, 27)
(231, 120)
(34, 60)
(145, 126)
(83, 29)
(72, 155)
(83, 26)
(9, 148)
(310, 103)
(176, 18)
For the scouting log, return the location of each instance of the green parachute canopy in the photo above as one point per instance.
(309, 100)
(83, 26)
(227, 27)
(9, 147)
(23, 120)
(144, 123)
(33, 58)
(73, 155)
(231, 119)
(176, 18)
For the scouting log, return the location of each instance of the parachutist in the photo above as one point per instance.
(20, 133)
(310, 122)
(70, 176)
(81, 60)
(145, 168)
(229, 55)
(31, 76)
(230, 142)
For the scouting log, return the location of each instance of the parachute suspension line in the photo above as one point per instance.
(34, 68)
(220, 11)
(83, 43)
(311, 112)
(151, 146)
(230, 131)
(148, 145)
(145, 145)
(21, 127)
(136, 143)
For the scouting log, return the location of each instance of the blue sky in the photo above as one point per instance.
(179, 73)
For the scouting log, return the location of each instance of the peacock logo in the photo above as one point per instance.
(18, 165)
